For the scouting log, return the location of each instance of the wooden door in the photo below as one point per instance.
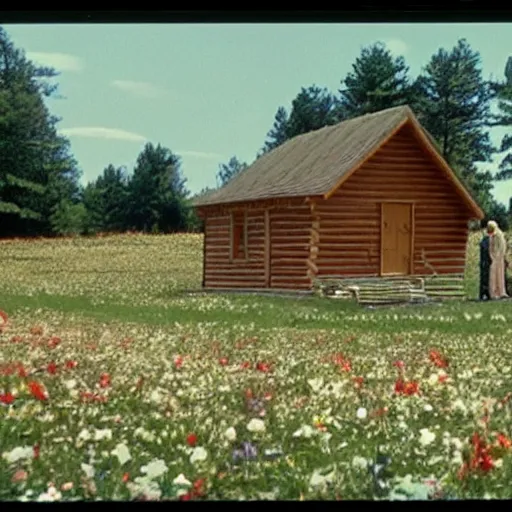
(396, 238)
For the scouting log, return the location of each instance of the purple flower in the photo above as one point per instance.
(247, 451)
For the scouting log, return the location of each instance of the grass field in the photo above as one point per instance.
(114, 385)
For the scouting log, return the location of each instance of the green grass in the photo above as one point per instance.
(118, 308)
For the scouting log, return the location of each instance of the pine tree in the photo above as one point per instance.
(504, 118)
(156, 192)
(228, 171)
(453, 104)
(37, 171)
(313, 108)
(377, 82)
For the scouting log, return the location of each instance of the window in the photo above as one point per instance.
(238, 236)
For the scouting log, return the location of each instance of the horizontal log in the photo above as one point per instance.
(289, 253)
(284, 241)
(369, 238)
(234, 273)
(346, 270)
(279, 232)
(290, 217)
(344, 230)
(233, 284)
(212, 248)
(355, 223)
(293, 245)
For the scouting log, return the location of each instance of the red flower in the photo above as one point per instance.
(7, 398)
(411, 388)
(16, 339)
(346, 366)
(22, 373)
(186, 497)
(223, 361)
(199, 485)
(126, 477)
(37, 450)
(407, 388)
(178, 361)
(52, 368)
(191, 439)
(399, 364)
(486, 463)
(442, 378)
(104, 380)
(3, 318)
(437, 359)
(37, 391)
(245, 365)
(54, 341)
(70, 364)
(263, 367)
(504, 441)
(358, 381)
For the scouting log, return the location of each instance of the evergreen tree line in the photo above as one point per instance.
(40, 191)
(451, 98)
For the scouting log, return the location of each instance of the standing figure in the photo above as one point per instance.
(497, 252)
(485, 263)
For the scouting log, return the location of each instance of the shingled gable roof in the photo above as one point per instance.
(317, 163)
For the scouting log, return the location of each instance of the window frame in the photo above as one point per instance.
(238, 221)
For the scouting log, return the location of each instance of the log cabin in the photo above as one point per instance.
(368, 197)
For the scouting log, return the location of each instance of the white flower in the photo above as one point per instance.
(256, 425)
(144, 485)
(433, 379)
(154, 469)
(88, 470)
(457, 458)
(145, 435)
(84, 435)
(359, 462)
(18, 453)
(457, 443)
(304, 431)
(100, 434)
(230, 434)
(362, 413)
(316, 384)
(426, 437)
(428, 408)
(198, 455)
(70, 384)
(122, 453)
(498, 463)
(155, 396)
(181, 480)
(320, 480)
(459, 405)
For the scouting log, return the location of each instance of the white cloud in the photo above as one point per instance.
(144, 89)
(59, 61)
(100, 132)
(199, 154)
(397, 47)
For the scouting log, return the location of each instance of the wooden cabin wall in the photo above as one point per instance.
(349, 241)
(220, 271)
(290, 232)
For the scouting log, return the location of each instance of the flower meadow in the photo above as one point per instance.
(404, 403)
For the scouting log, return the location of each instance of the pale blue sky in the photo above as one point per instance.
(209, 92)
